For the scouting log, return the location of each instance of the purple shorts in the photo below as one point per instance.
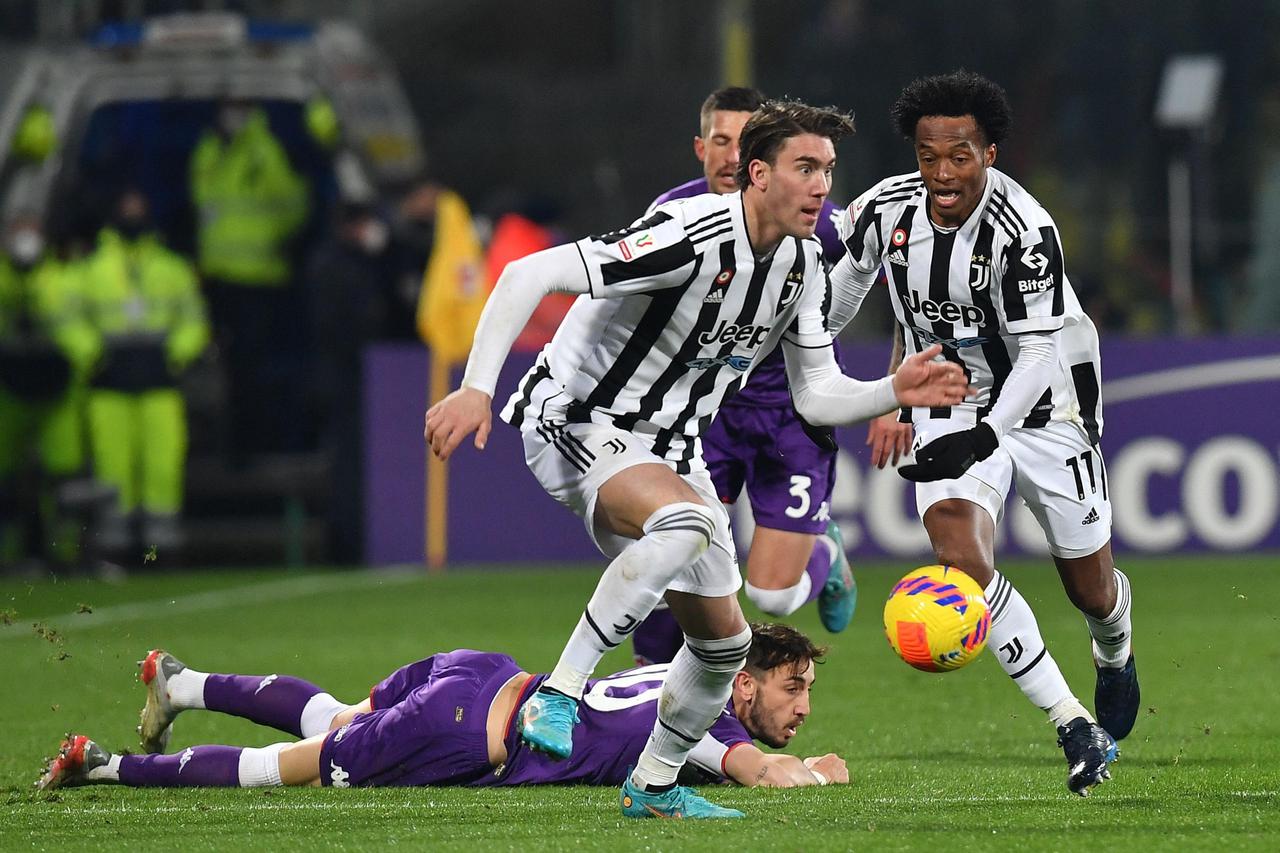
(427, 726)
(788, 477)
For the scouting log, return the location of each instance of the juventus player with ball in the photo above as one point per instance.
(975, 264)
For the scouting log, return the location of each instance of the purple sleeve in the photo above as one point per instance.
(709, 756)
(832, 247)
(729, 731)
(698, 186)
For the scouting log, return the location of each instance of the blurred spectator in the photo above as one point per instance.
(144, 302)
(250, 205)
(529, 228)
(46, 348)
(413, 237)
(347, 280)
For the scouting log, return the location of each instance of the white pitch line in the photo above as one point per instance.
(257, 593)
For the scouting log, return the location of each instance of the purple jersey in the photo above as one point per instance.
(427, 726)
(429, 720)
(617, 713)
(768, 386)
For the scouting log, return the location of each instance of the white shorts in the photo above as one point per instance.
(1059, 475)
(572, 461)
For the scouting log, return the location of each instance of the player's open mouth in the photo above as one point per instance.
(810, 214)
(946, 198)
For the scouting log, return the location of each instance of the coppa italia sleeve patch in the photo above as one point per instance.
(637, 245)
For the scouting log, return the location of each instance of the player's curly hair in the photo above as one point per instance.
(736, 99)
(960, 93)
(777, 121)
(774, 645)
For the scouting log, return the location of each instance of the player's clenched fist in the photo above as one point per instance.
(831, 766)
(457, 416)
(921, 381)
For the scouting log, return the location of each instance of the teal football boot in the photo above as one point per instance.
(678, 803)
(839, 596)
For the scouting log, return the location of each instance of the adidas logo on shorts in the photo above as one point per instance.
(1092, 517)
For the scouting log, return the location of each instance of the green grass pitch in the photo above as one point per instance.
(941, 762)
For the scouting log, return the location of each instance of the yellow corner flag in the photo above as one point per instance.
(453, 295)
(453, 286)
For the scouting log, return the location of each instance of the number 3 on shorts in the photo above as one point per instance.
(800, 490)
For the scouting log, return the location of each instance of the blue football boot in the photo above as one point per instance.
(839, 594)
(546, 722)
(1088, 750)
(1116, 698)
(678, 803)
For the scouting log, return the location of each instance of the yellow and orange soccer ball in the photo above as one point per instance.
(936, 619)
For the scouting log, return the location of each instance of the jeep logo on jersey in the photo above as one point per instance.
(947, 312)
(726, 333)
(737, 362)
(979, 272)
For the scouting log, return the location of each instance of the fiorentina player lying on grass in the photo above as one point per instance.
(447, 720)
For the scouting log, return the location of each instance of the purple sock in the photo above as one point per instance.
(657, 638)
(196, 766)
(270, 700)
(818, 569)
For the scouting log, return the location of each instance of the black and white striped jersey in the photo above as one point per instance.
(975, 289)
(680, 311)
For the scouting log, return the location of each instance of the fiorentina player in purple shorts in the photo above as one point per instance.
(447, 720)
(758, 441)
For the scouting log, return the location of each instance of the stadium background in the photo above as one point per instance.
(590, 106)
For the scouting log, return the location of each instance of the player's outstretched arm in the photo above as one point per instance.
(949, 456)
(506, 312)
(748, 765)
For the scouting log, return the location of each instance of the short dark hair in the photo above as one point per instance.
(777, 121)
(960, 93)
(734, 99)
(774, 645)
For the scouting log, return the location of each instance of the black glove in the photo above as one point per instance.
(949, 456)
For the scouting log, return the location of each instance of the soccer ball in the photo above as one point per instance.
(936, 618)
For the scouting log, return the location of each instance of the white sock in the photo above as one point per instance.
(318, 714)
(674, 537)
(260, 768)
(186, 689)
(781, 602)
(109, 772)
(1113, 636)
(1016, 642)
(1067, 710)
(698, 685)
